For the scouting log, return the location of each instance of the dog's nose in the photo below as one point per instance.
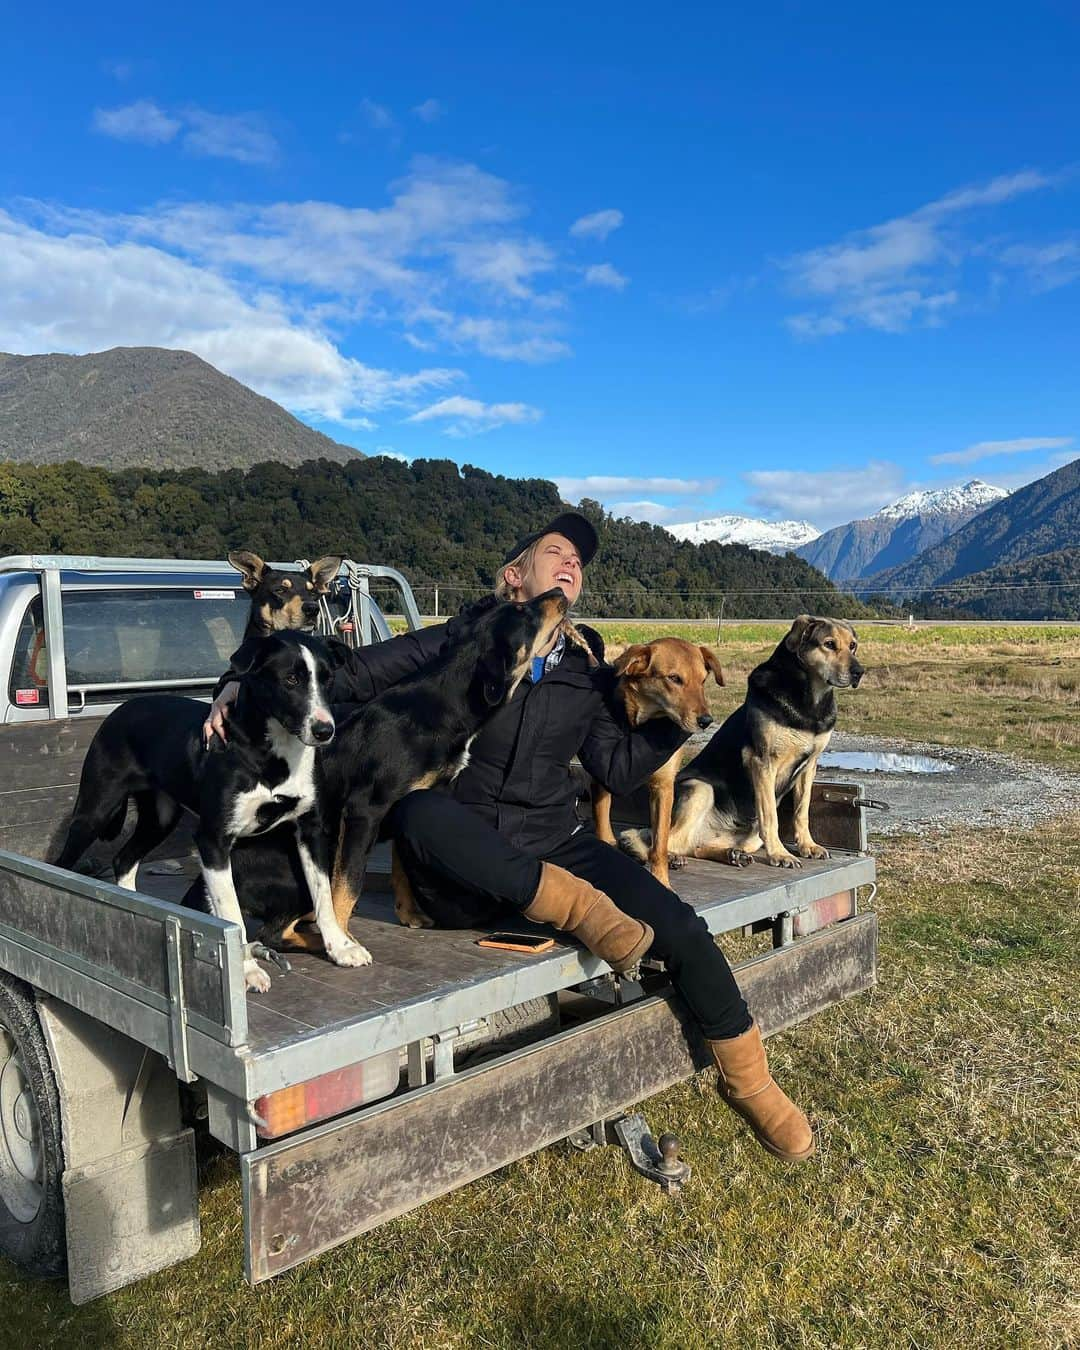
(857, 672)
(704, 721)
(310, 608)
(322, 731)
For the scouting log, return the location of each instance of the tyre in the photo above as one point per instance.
(509, 1030)
(31, 1144)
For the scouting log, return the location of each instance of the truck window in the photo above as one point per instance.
(139, 637)
(29, 683)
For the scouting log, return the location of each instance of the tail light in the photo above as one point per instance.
(330, 1094)
(820, 913)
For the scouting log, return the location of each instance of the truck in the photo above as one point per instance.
(348, 1096)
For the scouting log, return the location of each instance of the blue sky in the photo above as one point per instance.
(787, 259)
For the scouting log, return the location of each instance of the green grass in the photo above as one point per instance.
(940, 1210)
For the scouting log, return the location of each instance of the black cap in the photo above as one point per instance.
(573, 525)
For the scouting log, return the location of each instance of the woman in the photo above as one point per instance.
(505, 835)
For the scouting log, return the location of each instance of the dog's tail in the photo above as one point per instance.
(636, 843)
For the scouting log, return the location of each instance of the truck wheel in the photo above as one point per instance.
(31, 1149)
(511, 1029)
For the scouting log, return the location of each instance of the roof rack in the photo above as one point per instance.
(78, 562)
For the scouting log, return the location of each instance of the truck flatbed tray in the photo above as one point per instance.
(319, 1017)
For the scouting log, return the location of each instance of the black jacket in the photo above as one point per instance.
(518, 776)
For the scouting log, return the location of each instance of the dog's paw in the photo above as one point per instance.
(784, 859)
(811, 850)
(676, 861)
(740, 858)
(255, 978)
(349, 954)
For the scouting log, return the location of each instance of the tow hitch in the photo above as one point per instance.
(657, 1160)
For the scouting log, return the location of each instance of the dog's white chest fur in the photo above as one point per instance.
(462, 760)
(298, 788)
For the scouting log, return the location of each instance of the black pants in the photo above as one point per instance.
(440, 840)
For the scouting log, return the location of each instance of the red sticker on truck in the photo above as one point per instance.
(215, 595)
(27, 696)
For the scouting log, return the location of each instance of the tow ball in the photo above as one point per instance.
(656, 1159)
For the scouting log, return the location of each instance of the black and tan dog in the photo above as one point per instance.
(665, 678)
(283, 600)
(726, 798)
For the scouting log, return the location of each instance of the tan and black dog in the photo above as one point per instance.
(283, 600)
(665, 678)
(726, 798)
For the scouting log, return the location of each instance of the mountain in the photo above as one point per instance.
(1041, 518)
(145, 406)
(774, 536)
(1047, 585)
(898, 532)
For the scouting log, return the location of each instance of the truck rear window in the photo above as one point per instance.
(132, 637)
(122, 637)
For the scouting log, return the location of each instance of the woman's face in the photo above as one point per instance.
(556, 562)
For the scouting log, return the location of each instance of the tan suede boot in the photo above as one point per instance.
(579, 909)
(748, 1088)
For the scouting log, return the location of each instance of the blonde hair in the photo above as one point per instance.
(522, 563)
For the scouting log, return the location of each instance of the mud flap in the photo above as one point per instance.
(130, 1215)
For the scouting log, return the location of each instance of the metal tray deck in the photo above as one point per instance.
(423, 982)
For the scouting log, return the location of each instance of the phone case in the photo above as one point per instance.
(506, 945)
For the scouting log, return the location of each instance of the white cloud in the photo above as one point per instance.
(469, 417)
(988, 449)
(904, 272)
(598, 225)
(377, 115)
(826, 497)
(602, 487)
(142, 121)
(243, 138)
(603, 274)
(445, 257)
(1047, 266)
(77, 292)
(654, 513)
(430, 110)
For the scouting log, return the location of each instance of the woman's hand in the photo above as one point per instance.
(215, 724)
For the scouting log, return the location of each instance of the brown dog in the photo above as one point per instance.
(726, 799)
(665, 678)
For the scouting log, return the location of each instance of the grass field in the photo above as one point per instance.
(941, 1209)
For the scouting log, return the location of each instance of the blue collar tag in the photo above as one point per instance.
(537, 669)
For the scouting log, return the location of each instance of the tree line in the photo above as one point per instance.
(430, 519)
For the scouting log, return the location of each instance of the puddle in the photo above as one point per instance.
(866, 761)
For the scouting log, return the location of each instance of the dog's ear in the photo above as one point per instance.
(634, 661)
(712, 663)
(799, 630)
(250, 564)
(324, 570)
(246, 655)
(494, 680)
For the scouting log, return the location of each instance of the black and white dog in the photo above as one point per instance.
(151, 749)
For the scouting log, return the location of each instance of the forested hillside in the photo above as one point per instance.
(430, 519)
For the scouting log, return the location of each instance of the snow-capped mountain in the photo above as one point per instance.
(898, 532)
(974, 496)
(772, 536)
